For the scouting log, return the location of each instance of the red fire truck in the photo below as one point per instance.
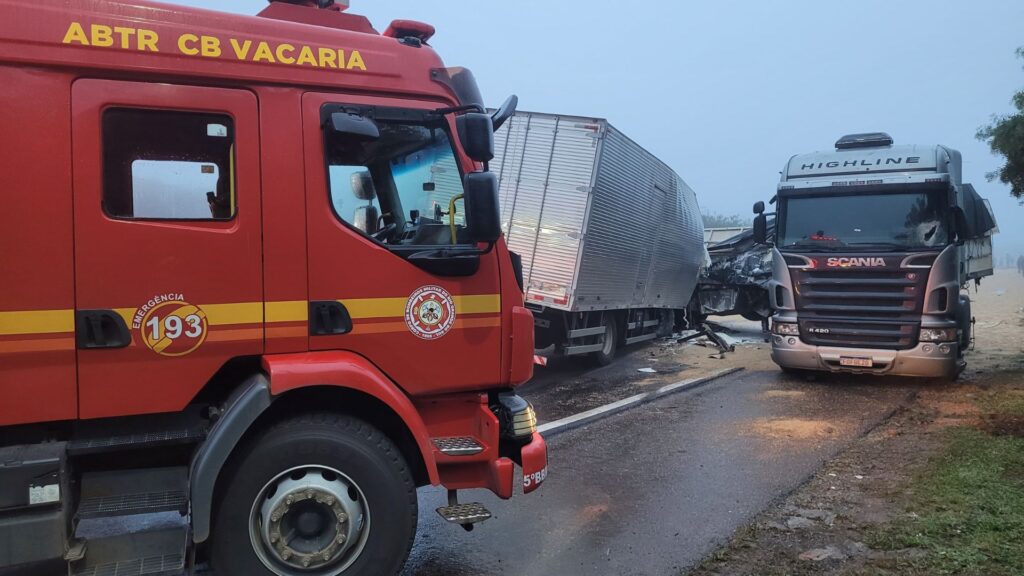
(251, 273)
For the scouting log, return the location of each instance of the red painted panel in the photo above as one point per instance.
(345, 369)
(123, 264)
(37, 370)
(345, 265)
(284, 217)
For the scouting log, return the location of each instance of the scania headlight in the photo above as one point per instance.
(938, 334)
(785, 328)
(516, 415)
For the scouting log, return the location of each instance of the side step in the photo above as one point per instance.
(129, 492)
(458, 446)
(85, 446)
(464, 513)
(157, 553)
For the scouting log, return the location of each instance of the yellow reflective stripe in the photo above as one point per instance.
(291, 311)
(127, 314)
(238, 313)
(478, 304)
(375, 307)
(395, 307)
(37, 322)
(59, 321)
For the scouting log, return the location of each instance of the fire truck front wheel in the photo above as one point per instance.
(316, 495)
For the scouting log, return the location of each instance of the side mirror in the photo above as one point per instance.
(507, 110)
(483, 217)
(961, 229)
(476, 131)
(362, 186)
(761, 227)
(758, 207)
(354, 125)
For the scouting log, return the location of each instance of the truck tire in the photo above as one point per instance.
(336, 484)
(606, 354)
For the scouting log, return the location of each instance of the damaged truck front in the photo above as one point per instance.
(875, 243)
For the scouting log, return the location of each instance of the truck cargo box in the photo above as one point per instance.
(600, 223)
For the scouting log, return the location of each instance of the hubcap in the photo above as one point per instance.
(309, 520)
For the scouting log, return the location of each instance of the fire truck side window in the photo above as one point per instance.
(399, 188)
(162, 165)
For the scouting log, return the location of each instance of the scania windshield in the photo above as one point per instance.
(870, 222)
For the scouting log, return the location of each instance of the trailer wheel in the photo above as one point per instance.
(316, 495)
(610, 342)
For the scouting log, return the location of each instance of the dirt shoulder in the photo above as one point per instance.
(939, 488)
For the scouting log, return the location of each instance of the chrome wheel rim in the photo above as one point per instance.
(309, 520)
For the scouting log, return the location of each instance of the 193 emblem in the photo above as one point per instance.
(430, 312)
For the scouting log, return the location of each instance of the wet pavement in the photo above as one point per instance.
(654, 489)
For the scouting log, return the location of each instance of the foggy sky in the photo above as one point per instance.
(726, 92)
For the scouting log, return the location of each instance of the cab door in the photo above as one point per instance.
(429, 332)
(168, 279)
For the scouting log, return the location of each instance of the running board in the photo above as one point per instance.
(458, 446)
(464, 514)
(157, 553)
(85, 446)
(128, 492)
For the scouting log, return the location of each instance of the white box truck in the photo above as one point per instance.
(611, 238)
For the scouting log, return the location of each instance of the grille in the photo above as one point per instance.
(874, 307)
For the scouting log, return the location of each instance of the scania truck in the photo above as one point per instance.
(253, 292)
(874, 246)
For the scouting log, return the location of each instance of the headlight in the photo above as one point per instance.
(785, 328)
(516, 416)
(938, 334)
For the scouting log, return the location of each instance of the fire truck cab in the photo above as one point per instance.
(252, 279)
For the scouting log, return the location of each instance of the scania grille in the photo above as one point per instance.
(874, 307)
(859, 333)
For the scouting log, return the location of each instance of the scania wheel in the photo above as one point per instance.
(316, 495)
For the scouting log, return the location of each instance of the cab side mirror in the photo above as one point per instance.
(758, 207)
(507, 110)
(483, 216)
(476, 131)
(355, 125)
(761, 227)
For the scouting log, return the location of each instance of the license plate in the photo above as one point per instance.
(855, 362)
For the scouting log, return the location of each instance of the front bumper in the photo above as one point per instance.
(928, 360)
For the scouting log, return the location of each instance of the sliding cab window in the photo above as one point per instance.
(402, 187)
(163, 165)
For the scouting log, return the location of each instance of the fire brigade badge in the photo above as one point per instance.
(430, 312)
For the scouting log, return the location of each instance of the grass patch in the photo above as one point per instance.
(966, 512)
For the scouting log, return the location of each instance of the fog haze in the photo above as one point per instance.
(726, 92)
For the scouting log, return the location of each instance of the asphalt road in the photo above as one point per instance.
(653, 490)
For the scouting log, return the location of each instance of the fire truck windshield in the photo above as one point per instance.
(398, 188)
(870, 222)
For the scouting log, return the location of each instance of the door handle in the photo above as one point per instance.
(329, 317)
(101, 329)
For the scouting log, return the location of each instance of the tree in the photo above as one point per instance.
(715, 220)
(1005, 136)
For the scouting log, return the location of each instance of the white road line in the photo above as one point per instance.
(576, 420)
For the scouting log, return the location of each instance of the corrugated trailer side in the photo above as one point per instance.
(611, 238)
(545, 165)
(644, 235)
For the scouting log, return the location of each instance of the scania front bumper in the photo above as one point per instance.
(927, 359)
